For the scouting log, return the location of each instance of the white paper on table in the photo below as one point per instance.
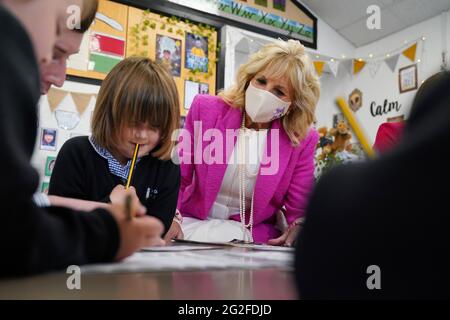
(177, 248)
(194, 260)
(263, 247)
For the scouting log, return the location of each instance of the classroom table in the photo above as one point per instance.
(242, 284)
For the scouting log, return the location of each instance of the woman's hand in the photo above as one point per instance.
(175, 232)
(288, 238)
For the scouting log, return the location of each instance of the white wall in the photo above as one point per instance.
(385, 84)
(47, 120)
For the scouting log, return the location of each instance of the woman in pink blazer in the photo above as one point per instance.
(249, 152)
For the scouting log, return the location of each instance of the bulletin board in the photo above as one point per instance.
(104, 45)
(192, 53)
(189, 50)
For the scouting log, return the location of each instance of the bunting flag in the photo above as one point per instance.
(392, 62)
(358, 65)
(410, 53)
(81, 101)
(374, 66)
(355, 66)
(55, 97)
(347, 64)
(334, 67)
(319, 67)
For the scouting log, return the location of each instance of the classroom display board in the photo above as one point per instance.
(285, 17)
(187, 49)
(104, 45)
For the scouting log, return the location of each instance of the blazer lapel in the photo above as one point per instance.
(231, 121)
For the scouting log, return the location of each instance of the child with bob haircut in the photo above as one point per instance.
(137, 104)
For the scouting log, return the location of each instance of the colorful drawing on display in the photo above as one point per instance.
(261, 3)
(105, 52)
(196, 52)
(246, 13)
(168, 52)
(279, 5)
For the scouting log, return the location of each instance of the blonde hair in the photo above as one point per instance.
(282, 58)
(137, 90)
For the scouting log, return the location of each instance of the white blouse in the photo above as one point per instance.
(227, 201)
(217, 227)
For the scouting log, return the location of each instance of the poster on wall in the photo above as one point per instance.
(104, 44)
(283, 17)
(48, 139)
(105, 52)
(168, 52)
(279, 5)
(196, 52)
(191, 89)
(49, 165)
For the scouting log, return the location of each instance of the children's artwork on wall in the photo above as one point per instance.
(49, 165)
(105, 52)
(196, 52)
(67, 120)
(104, 44)
(261, 3)
(48, 139)
(355, 100)
(44, 187)
(279, 5)
(191, 89)
(168, 52)
(407, 78)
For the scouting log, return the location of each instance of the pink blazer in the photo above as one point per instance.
(290, 186)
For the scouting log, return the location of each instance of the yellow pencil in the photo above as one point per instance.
(133, 163)
(355, 126)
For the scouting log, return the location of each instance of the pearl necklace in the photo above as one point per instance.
(242, 167)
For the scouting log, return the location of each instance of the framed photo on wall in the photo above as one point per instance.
(407, 78)
(48, 139)
(49, 165)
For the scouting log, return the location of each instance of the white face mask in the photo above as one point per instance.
(263, 106)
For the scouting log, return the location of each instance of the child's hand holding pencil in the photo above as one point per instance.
(136, 229)
(119, 196)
